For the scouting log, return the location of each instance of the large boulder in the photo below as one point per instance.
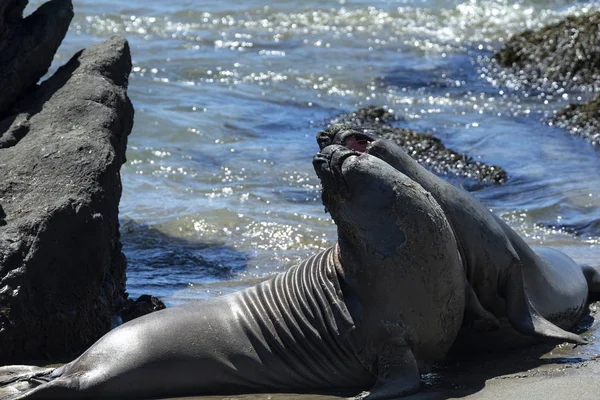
(27, 46)
(425, 148)
(62, 272)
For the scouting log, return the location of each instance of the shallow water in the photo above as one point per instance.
(219, 191)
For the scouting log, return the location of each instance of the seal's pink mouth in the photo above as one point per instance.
(357, 143)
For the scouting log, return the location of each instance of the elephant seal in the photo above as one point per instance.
(404, 282)
(542, 294)
(384, 301)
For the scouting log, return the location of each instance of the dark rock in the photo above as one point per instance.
(581, 119)
(367, 115)
(62, 272)
(27, 46)
(562, 55)
(423, 147)
(144, 304)
(558, 57)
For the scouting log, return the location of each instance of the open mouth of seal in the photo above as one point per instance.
(336, 150)
(357, 142)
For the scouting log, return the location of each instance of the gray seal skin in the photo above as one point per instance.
(404, 282)
(542, 294)
(368, 312)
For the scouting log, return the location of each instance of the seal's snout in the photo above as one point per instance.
(330, 160)
(328, 165)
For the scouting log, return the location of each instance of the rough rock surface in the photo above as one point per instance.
(558, 57)
(62, 272)
(27, 46)
(364, 116)
(145, 304)
(581, 119)
(423, 147)
(562, 55)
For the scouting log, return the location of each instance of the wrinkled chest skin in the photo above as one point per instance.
(403, 281)
(299, 326)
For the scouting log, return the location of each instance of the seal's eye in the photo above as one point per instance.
(357, 143)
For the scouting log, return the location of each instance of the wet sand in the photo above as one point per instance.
(534, 372)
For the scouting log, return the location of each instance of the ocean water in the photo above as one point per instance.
(219, 190)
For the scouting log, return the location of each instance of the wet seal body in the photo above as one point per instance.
(366, 313)
(403, 279)
(541, 293)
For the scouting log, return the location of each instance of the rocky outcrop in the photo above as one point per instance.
(581, 120)
(562, 55)
(145, 304)
(558, 57)
(423, 147)
(62, 272)
(27, 46)
(365, 116)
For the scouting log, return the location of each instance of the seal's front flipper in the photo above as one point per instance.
(477, 317)
(525, 318)
(397, 374)
(13, 373)
(16, 379)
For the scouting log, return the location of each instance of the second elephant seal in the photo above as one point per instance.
(542, 293)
